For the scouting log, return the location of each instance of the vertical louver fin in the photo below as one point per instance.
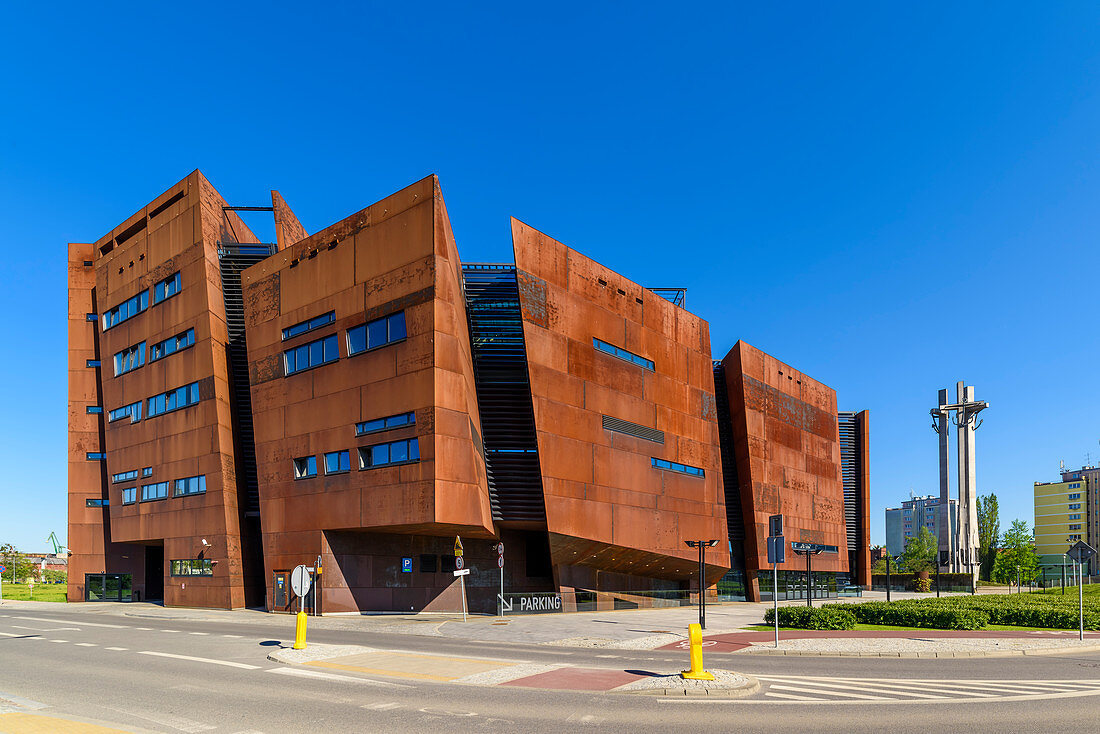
(734, 522)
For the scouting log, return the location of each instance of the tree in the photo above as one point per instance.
(989, 533)
(1017, 553)
(17, 565)
(920, 552)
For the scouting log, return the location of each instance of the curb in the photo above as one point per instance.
(749, 688)
(924, 655)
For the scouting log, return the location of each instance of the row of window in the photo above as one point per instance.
(673, 466)
(131, 358)
(384, 424)
(131, 307)
(159, 490)
(1075, 517)
(1075, 527)
(623, 354)
(127, 476)
(392, 453)
(192, 567)
(374, 334)
(1075, 485)
(131, 411)
(177, 399)
(1076, 506)
(309, 325)
(1074, 496)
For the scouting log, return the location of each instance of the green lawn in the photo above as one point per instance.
(42, 592)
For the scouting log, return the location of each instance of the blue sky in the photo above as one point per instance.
(888, 197)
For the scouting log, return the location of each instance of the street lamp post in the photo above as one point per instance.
(887, 576)
(702, 545)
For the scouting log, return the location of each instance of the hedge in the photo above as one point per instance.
(976, 611)
(828, 617)
(915, 613)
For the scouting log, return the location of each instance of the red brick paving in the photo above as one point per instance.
(577, 679)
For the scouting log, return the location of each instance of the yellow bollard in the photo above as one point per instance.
(695, 635)
(300, 632)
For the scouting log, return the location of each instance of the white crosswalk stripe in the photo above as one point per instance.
(808, 689)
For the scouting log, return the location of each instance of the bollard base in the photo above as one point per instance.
(701, 675)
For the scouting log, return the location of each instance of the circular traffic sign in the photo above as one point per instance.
(3, 568)
(458, 563)
(299, 580)
(500, 548)
(500, 561)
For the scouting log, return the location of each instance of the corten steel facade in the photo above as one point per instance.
(165, 428)
(787, 452)
(359, 397)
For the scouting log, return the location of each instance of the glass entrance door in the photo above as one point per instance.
(107, 586)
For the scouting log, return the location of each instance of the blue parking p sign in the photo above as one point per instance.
(406, 565)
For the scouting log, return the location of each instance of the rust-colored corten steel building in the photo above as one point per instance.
(354, 399)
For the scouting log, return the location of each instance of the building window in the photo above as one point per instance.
(95, 503)
(131, 411)
(1075, 486)
(126, 310)
(389, 454)
(1074, 527)
(427, 563)
(181, 397)
(92, 317)
(192, 567)
(167, 288)
(147, 471)
(129, 495)
(305, 467)
(384, 424)
(91, 363)
(124, 476)
(337, 462)
(158, 491)
(129, 359)
(190, 485)
(1074, 496)
(171, 345)
(315, 323)
(1075, 517)
(1076, 506)
(377, 333)
(93, 409)
(96, 456)
(311, 355)
(622, 354)
(673, 466)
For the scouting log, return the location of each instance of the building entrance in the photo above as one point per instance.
(108, 586)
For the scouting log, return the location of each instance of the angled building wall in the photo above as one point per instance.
(626, 425)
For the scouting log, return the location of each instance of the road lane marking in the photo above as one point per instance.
(86, 644)
(872, 688)
(198, 633)
(69, 621)
(788, 695)
(808, 689)
(58, 640)
(25, 703)
(211, 661)
(53, 629)
(233, 636)
(334, 676)
(144, 629)
(115, 648)
(173, 631)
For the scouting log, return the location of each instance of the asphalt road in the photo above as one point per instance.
(149, 674)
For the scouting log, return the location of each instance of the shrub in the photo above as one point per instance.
(923, 585)
(828, 617)
(916, 613)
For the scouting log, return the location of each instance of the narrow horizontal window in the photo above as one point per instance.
(377, 333)
(95, 503)
(96, 456)
(129, 495)
(131, 411)
(337, 462)
(147, 471)
(87, 263)
(622, 354)
(309, 325)
(93, 409)
(171, 345)
(124, 476)
(192, 567)
(190, 485)
(305, 467)
(384, 424)
(92, 317)
(91, 363)
(129, 359)
(126, 310)
(158, 491)
(167, 288)
(311, 355)
(181, 397)
(388, 454)
(673, 466)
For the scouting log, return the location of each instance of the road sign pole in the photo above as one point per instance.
(462, 582)
(775, 599)
(702, 592)
(809, 581)
(1081, 602)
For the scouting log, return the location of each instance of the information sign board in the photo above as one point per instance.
(406, 565)
(1081, 551)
